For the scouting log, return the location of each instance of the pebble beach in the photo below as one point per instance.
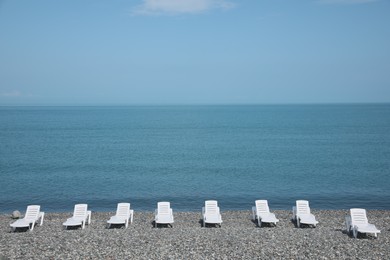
(238, 238)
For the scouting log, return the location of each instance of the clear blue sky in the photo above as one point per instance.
(120, 52)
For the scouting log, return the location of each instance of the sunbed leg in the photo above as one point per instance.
(32, 226)
(42, 216)
(89, 217)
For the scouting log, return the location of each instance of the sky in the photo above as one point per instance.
(162, 52)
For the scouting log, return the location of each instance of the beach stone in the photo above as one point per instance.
(16, 214)
(238, 238)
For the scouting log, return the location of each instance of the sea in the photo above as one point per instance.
(337, 156)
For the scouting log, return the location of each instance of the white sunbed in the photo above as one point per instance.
(357, 222)
(211, 213)
(261, 213)
(33, 214)
(163, 214)
(81, 215)
(122, 216)
(302, 214)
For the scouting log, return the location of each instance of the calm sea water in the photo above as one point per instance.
(335, 156)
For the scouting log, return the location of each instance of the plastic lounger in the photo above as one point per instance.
(261, 213)
(302, 214)
(122, 216)
(357, 222)
(33, 214)
(211, 213)
(163, 214)
(81, 215)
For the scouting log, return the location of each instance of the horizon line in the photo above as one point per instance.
(196, 104)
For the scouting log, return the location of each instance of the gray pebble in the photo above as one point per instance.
(238, 238)
(16, 214)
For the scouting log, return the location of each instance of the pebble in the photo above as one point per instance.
(16, 214)
(239, 237)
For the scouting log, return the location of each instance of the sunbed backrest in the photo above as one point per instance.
(303, 207)
(262, 206)
(211, 206)
(123, 210)
(358, 216)
(80, 211)
(32, 212)
(163, 207)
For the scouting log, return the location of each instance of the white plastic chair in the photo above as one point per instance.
(262, 214)
(163, 214)
(211, 213)
(302, 215)
(81, 215)
(122, 216)
(33, 214)
(357, 222)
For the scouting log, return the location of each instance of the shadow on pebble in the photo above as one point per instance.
(19, 230)
(264, 224)
(209, 224)
(73, 228)
(161, 225)
(302, 225)
(116, 226)
(359, 235)
(294, 222)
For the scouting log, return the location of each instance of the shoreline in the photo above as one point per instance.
(239, 237)
(112, 210)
